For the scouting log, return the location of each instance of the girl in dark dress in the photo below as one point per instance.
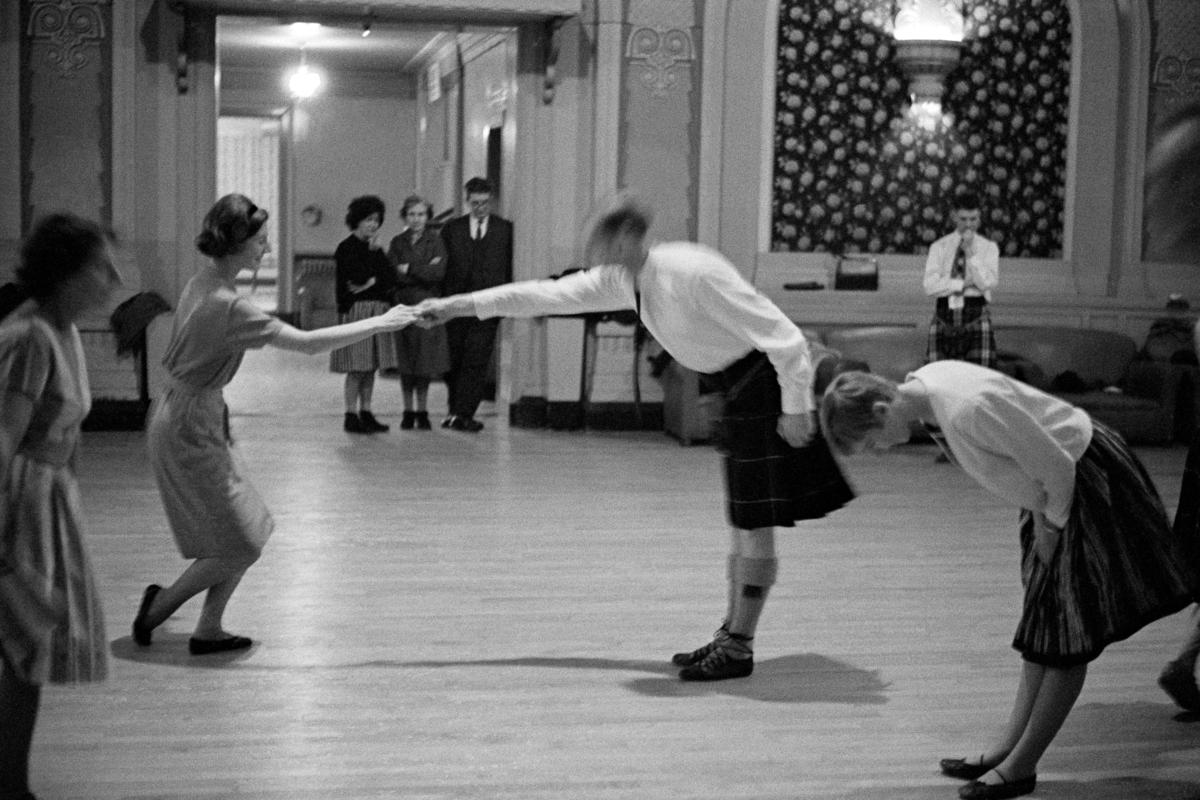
(365, 285)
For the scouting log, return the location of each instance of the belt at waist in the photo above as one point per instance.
(733, 378)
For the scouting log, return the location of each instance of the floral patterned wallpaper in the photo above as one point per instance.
(856, 170)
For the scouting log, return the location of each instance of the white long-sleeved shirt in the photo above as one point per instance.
(694, 303)
(1020, 444)
(983, 268)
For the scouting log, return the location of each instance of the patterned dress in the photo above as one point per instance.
(212, 509)
(51, 624)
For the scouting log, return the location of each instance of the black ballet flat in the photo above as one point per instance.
(961, 769)
(978, 790)
(204, 647)
(141, 631)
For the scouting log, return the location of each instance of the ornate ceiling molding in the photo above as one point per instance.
(464, 11)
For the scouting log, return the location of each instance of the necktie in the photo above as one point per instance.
(478, 231)
(959, 270)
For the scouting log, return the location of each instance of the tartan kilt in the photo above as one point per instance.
(1119, 565)
(768, 482)
(375, 352)
(963, 335)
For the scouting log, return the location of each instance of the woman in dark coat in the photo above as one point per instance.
(419, 258)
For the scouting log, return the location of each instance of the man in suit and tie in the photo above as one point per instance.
(479, 255)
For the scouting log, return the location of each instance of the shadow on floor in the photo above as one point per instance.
(171, 649)
(800, 678)
(1104, 789)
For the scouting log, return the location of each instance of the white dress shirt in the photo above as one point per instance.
(983, 268)
(1020, 444)
(693, 301)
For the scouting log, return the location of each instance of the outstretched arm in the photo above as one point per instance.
(323, 339)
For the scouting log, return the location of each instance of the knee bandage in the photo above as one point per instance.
(756, 575)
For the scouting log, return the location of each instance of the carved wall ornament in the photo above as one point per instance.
(68, 29)
(657, 50)
(1177, 74)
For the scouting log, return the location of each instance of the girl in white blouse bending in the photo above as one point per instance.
(1098, 557)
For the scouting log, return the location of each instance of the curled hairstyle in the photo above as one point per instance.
(363, 207)
(848, 408)
(228, 224)
(58, 246)
(416, 200)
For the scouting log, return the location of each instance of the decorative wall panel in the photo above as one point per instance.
(660, 111)
(856, 170)
(66, 136)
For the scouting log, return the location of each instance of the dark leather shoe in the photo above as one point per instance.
(718, 667)
(978, 790)
(204, 647)
(372, 425)
(961, 769)
(422, 419)
(700, 653)
(352, 424)
(467, 424)
(408, 421)
(729, 657)
(1179, 682)
(142, 631)
(449, 421)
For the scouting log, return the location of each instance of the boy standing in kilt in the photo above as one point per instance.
(961, 270)
(1099, 560)
(710, 319)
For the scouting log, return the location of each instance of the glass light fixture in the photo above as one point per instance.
(304, 82)
(928, 36)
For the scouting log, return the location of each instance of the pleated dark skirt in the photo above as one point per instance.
(1119, 565)
(367, 355)
(768, 482)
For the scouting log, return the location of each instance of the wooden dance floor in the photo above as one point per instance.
(442, 615)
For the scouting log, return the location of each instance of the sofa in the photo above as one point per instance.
(1102, 372)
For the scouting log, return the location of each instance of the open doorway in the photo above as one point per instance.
(393, 115)
(397, 112)
(249, 162)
